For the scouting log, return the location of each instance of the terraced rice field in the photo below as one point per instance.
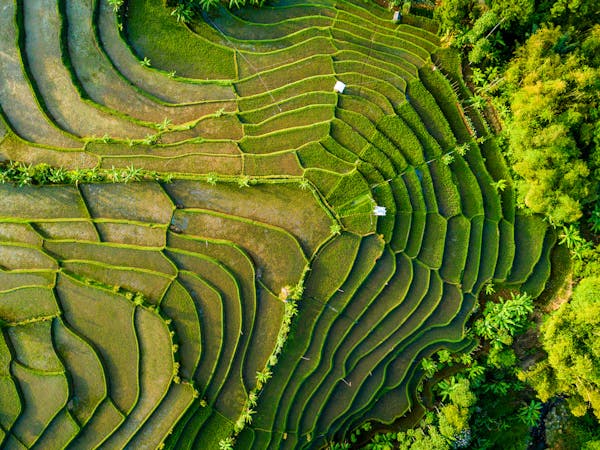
(135, 314)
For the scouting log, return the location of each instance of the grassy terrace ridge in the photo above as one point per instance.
(172, 195)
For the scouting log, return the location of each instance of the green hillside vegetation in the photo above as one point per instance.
(203, 245)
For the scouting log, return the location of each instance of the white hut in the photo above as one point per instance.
(397, 16)
(339, 87)
(379, 210)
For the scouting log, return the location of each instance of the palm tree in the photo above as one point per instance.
(226, 444)
(498, 388)
(304, 184)
(462, 149)
(569, 236)
(580, 248)
(116, 4)
(466, 359)
(530, 414)
(183, 13)
(114, 174)
(247, 415)
(429, 366)
(475, 371)
(208, 4)
(24, 175)
(446, 387)
(499, 185)
(236, 3)
(212, 178)
(164, 125)
(252, 398)
(478, 102)
(478, 77)
(131, 174)
(447, 159)
(239, 425)
(57, 175)
(244, 181)
(145, 62)
(165, 177)
(263, 376)
(150, 139)
(444, 356)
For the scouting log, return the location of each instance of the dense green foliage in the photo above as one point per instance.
(570, 337)
(226, 228)
(187, 10)
(554, 130)
(547, 89)
(42, 174)
(446, 428)
(502, 319)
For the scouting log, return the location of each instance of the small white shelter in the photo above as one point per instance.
(339, 87)
(379, 210)
(397, 16)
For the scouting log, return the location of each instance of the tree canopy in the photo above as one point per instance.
(571, 337)
(555, 128)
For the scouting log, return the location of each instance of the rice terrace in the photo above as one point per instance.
(204, 245)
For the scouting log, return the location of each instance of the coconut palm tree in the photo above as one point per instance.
(116, 4)
(530, 414)
(475, 372)
(446, 387)
(226, 444)
(23, 176)
(262, 377)
(208, 4)
(462, 149)
(247, 415)
(164, 125)
(569, 236)
(183, 13)
(477, 102)
(499, 185)
(252, 398)
(212, 178)
(131, 174)
(429, 367)
(57, 175)
(150, 139)
(304, 184)
(447, 159)
(244, 181)
(478, 77)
